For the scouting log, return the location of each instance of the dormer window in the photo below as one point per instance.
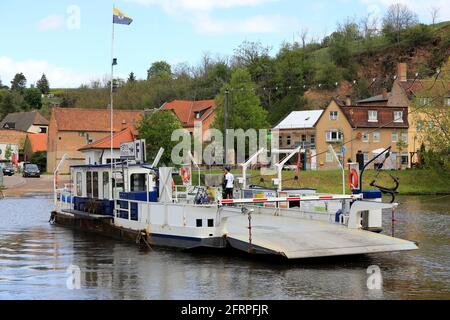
(398, 116)
(373, 116)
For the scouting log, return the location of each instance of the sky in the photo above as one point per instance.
(70, 40)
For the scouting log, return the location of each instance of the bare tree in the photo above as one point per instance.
(303, 36)
(397, 18)
(368, 25)
(434, 11)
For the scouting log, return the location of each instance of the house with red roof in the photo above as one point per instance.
(191, 113)
(99, 152)
(73, 128)
(365, 128)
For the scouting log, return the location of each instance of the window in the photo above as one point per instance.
(373, 116)
(404, 136)
(333, 115)
(303, 137)
(425, 101)
(79, 182)
(365, 137)
(333, 136)
(394, 136)
(95, 184)
(376, 136)
(398, 116)
(210, 223)
(199, 223)
(105, 185)
(288, 140)
(329, 157)
(280, 140)
(313, 138)
(430, 124)
(447, 102)
(405, 159)
(138, 182)
(89, 184)
(366, 156)
(419, 126)
(43, 129)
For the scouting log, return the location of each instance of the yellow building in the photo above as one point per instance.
(361, 128)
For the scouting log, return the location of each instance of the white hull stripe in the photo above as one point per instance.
(289, 199)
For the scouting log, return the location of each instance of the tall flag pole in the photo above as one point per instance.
(118, 18)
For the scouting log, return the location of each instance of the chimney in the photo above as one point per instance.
(348, 100)
(402, 69)
(384, 93)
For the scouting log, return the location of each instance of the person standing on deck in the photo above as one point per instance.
(228, 183)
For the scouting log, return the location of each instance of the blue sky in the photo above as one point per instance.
(70, 40)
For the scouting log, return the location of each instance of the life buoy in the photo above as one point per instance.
(353, 179)
(186, 174)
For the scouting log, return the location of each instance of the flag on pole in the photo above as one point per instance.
(121, 18)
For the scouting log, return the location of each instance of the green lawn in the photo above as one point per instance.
(412, 182)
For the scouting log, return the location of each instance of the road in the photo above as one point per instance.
(17, 186)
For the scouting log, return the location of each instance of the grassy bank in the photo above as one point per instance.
(412, 182)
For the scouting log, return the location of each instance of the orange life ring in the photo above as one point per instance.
(353, 179)
(185, 175)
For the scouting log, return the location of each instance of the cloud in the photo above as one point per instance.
(52, 22)
(200, 14)
(33, 69)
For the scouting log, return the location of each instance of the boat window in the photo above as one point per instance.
(105, 185)
(95, 184)
(138, 182)
(199, 223)
(210, 223)
(79, 182)
(89, 184)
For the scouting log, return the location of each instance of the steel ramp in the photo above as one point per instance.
(301, 238)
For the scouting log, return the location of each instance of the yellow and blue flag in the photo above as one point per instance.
(121, 18)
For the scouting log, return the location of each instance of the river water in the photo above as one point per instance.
(36, 257)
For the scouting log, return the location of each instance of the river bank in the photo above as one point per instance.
(412, 182)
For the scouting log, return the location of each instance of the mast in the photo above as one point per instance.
(112, 108)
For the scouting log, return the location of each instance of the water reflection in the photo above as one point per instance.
(34, 257)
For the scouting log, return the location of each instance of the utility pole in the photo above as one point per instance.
(225, 125)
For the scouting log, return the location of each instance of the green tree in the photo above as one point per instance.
(8, 152)
(43, 84)
(157, 129)
(19, 83)
(131, 78)
(160, 69)
(245, 111)
(398, 18)
(40, 159)
(33, 97)
(7, 105)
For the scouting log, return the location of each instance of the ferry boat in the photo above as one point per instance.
(139, 202)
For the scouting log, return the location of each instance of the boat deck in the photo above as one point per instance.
(295, 238)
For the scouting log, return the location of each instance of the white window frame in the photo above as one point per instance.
(370, 114)
(329, 156)
(394, 133)
(365, 137)
(398, 118)
(376, 136)
(329, 136)
(334, 115)
(366, 157)
(404, 137)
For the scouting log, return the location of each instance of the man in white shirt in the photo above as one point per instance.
(228, 183)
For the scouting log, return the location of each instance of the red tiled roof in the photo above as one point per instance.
(13, 137)
(78, 119)
(186, 110)
(126, 135)
(38, 141)
(358, 116)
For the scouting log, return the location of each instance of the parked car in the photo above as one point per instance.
(8, 170)
(31, 170)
